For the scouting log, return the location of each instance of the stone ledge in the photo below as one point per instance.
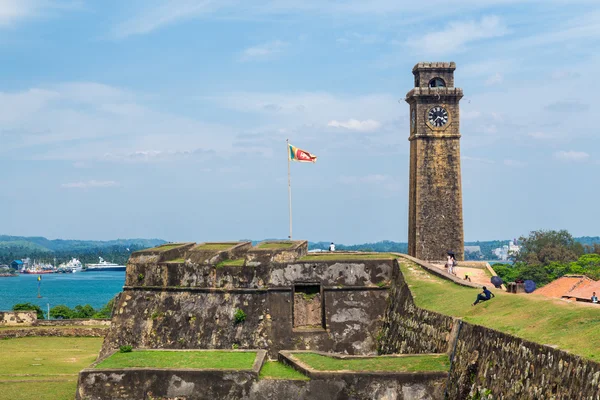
(287, 357)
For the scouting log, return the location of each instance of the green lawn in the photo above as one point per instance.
(275, 245)
(232, 263)
(64, 390)
(180, 359)
(382, 363)
(570, 327)
(346, 256)
(49, 365)
(215, 246)
(277, 370)
(166, 247)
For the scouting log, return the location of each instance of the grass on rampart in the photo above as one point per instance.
(180, 359)
(232, 263)
(46, 368)
(570, 327)
(215, 246)
(413, 363)
(346, 256)
(277, 370)
(166, 247)
(275, 245)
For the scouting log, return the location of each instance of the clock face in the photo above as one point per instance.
(438, 116)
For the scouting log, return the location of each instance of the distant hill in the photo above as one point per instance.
(42, 249)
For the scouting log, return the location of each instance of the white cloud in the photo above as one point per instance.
(153, 15)
(13, 11)
(311, 107)
(457, 35)
(89, 184)
(263, 51)
(368, 125)
(572, 155)
(85, 121)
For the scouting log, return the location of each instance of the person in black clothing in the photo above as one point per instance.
(484, 296)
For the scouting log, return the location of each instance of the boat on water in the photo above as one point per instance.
(72, 266)
(39, 269)
(104, 266)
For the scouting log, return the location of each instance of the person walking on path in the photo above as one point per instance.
(451, 263)
(485, 295)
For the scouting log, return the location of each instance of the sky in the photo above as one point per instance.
(169, 119)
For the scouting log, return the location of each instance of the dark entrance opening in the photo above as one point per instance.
(308, 306)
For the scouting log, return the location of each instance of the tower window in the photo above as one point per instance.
(437, 82)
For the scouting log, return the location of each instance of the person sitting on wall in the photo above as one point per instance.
(484, 296)
(594, 298)
(332, 247)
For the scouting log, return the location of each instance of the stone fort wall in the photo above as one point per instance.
(486, 364)
(192, 303)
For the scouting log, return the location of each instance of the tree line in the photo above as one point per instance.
(547, 255)
(65, 312)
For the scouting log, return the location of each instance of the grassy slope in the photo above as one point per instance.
(571, 327)
(396, 364)
(277, 370)
(60, 361)
(180, 359)
(279, 245)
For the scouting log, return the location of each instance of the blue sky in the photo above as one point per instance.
(168, 119)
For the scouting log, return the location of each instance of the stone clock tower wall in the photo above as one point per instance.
(435, 223)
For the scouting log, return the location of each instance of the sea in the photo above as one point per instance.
(93, 288)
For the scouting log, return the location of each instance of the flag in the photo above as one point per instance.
(39, 278)
(296, 154)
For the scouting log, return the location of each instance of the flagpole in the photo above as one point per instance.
(287, 142)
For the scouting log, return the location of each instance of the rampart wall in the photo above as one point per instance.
(193, 306)
(486, 364)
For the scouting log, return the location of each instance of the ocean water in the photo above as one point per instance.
(93, 288)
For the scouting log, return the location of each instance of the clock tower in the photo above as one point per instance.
(435, 220)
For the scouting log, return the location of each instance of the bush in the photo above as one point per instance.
(61, 312)
(83, 312)
(29, 307)
(239, 315)
(125, 348)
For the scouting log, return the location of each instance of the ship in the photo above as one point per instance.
(39, 269)
(74, 265)
(104, 266)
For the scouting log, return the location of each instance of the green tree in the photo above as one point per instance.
(588, 264)
(61, 312)
(544, 247)
(83, 311)
(106, 311)
(29, 307)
